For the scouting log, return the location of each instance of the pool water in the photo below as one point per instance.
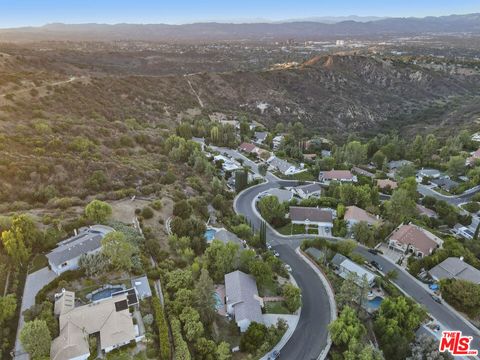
(105, 293)
(210, 235)
(218, 301)
(375, 302)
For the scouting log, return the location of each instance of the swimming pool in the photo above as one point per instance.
(105, 293)
(218, 301)
(210, 235)
(375, 302)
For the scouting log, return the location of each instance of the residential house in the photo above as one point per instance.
(455, 268)
(109, 319)
(354, 215)
(445, 183)
(248, 148)
(323, 218)
(68, 252)
(476, 137)
(142, 287)
(309, 157)
(464, 232)
(277, 141)
(315, 253)
(473, 158)
(414, 239)
(281, 194)
(226, 236)
(422, 210)
(308, 190)
(283, 166)
(396, 164)
(243, 302)
(326, 177)
(227, 163)
(385, 184)
(260, 137)
(345, 267)
(428, 173)
(360, 171)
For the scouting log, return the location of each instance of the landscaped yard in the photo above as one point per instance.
(38, 262)
(276, 307)
(297, 229)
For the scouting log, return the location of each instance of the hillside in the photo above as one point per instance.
(301, 30)
(67, 132)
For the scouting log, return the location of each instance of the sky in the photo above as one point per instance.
(14, 13)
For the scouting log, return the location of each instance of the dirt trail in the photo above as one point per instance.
(200, 102)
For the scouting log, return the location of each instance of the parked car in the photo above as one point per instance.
(269, 247)
(376, 265)
(436, 298)
(275, 253)
(373, 251)
(274, 355)
(288, 268)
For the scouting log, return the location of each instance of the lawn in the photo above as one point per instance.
(276, 307)
(38, 262)
(297, 229)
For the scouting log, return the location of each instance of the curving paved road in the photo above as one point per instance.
(310, 336)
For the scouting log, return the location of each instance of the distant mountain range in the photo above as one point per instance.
(298, 30)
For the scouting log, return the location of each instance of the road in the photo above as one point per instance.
(311, 334)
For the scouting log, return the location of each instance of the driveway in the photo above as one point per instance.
(33, 284)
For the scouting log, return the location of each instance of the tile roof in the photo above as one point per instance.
(247, 147)
(384, 183)
(417, 237)
(358, 214)
(313, 214)
(337, 175)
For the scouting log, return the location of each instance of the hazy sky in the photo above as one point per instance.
(38, 12)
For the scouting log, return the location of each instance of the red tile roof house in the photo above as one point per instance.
(413, 239)
(354, 215)
(323, 218)
(386, 183)
(248, 147)
(336, 175)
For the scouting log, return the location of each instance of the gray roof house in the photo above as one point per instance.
(455, 268)
(67, 253)
(243, 302)
(311, 215)
(260, 137)
(283, 166)
(445, 183)
(142, 287)
(393, 165)
(430, 173)
(308, 190)
(315, 253)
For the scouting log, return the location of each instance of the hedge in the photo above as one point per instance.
(181, 347)
(162, 328)
(68, 276)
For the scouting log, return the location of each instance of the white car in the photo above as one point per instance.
(288, 268)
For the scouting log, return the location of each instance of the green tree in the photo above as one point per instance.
(8, 305)
(363, 233)
(349, 292)
(35, 338)
(223, 351)
(400, 206)
(426, 347)
(204, 300)
(192, 326)
(241, 180)
(456, 166)
(462, 295)
(261, 271)
(98, 211)
(355, 153)
(182, 209)
(410, 185)
(379, 159)
(221, 258)
(119, 250)
(272, 210)
(293, 297)
(346, 327)
(15, 245)
(253, 338)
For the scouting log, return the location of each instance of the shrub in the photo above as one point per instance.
(162, 328)
(472, 207)
(147, 213)
(181, 347)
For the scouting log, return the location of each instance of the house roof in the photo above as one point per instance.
(360, 171)
(358, 214)
(455, 268)
(247, 147)
(242, 293)
(64, 302)
(429, 172)
(280, 164)
(261, 135)
(108, 317)
(310, 188)
(313, 214)
(445, 182)
(142, 287)
(337, 175)
(421, 239)
(281, 194)
(348, 266)
(426, 211)
(88, 240)
(398, 163)
(317, 254)
(384, 183)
